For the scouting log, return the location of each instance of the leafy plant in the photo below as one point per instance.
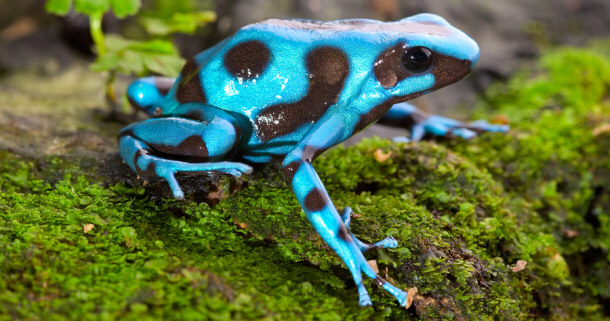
(117, 54)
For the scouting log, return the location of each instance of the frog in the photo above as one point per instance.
(289, 89)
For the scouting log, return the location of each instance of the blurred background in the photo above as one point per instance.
(510, 33)
(507, 31)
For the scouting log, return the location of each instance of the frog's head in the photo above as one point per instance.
(426, 53)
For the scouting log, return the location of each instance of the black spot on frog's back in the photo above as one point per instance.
(248, 59)
(189, 88)
(328, 68)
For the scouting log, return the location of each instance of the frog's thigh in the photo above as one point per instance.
(186, 139)
(161, 147)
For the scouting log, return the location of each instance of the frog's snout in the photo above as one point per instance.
(467, 63)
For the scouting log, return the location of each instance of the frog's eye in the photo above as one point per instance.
(417, 59)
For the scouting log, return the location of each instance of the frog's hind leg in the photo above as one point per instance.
(161, 147)
(422, 124)
(147, 94)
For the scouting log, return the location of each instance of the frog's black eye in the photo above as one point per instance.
(417, 59)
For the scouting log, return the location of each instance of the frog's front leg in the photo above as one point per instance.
(420, 123)
(161, 147)
(320, 210)
(147, 94)
(388, 242)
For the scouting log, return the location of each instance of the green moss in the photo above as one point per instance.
(464, 213)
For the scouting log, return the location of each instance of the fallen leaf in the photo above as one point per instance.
(88, 227)
(500, 120)
(380, 156)
(410, 296)
(373, 265)
(519, 266)
(603, 128)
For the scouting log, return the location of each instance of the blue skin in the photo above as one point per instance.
(248, 97)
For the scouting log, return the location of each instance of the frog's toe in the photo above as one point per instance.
(442, 126)
(236, 172)
(363, 297)
(401, 139)
(485, 126)
(245, 169)
(346, 216)
(464, 133)
(167, 173)
(401, 297)
(178, 193)
(389, 242)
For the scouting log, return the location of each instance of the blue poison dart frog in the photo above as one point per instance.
(291, 89)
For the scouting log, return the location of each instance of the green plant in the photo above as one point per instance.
(117, 54)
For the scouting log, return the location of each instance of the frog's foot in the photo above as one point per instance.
(421, 124)
(363, 296)
(443, 126)
(152, 166)
(388, 242)
(359, 264)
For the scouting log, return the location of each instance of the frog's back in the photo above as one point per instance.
(267, 61)
(284, 74)
(272, 62)
(266, 73)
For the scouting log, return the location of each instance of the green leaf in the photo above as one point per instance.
(132, 63)
(124, 8)
(115, 43)
(140, 58)
(91, 7)
(105, 63)
(58, 7)
(154, 46)
(177, 22)
(164, 64)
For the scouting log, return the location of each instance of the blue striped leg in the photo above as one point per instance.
(193, 146)
(320, 210)
(420, 123)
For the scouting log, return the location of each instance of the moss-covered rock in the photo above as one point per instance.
(501, 227)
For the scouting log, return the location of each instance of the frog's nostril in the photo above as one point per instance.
(467, 63)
